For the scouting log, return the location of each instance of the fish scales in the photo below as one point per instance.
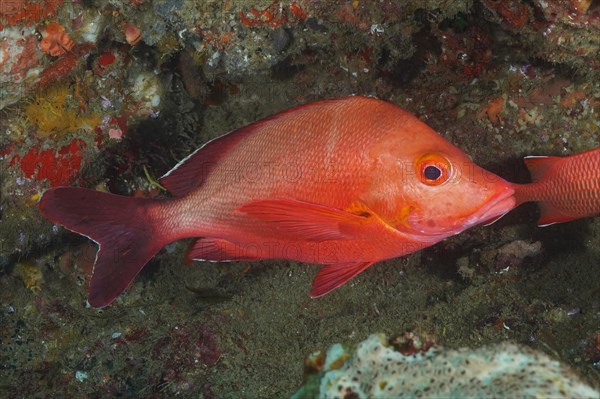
(342, 183)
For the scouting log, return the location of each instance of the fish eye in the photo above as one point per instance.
(432, 172)
(433, 169)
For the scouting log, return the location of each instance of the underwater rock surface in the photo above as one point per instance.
(127, 88)
(376, 369)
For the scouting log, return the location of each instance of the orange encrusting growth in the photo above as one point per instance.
(55, 41)
(566, 188)
(28, 12)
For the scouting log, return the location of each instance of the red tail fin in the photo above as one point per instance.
(120, 225)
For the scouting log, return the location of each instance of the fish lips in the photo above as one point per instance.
(497, 206)
(494, 208)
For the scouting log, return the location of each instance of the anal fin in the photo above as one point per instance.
(551, 215)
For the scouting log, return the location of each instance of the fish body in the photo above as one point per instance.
(566, 188)
(342, 183)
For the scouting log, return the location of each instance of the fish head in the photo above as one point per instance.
(445, 193)
(428, 189)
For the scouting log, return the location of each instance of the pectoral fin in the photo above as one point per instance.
(330, 277)
(308, 221)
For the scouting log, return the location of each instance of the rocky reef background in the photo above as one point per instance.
(111, 94)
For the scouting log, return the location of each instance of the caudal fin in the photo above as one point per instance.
(120, 226)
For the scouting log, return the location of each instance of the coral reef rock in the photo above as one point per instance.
(376, 369)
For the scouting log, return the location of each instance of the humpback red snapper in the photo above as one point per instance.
(342, 183)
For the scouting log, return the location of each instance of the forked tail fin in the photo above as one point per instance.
(120, 225)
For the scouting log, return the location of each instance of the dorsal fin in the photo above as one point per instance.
(539, 165)
(191, 172)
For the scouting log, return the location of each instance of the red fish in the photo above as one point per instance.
(566, 188)
(342, 183)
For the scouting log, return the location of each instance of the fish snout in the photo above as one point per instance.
(496, 206)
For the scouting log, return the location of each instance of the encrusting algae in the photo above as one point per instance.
(54, 114)
(31, 275)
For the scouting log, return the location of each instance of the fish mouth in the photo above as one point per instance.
(497, 206)
(494, 208)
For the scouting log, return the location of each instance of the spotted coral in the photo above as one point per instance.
(376, 369)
